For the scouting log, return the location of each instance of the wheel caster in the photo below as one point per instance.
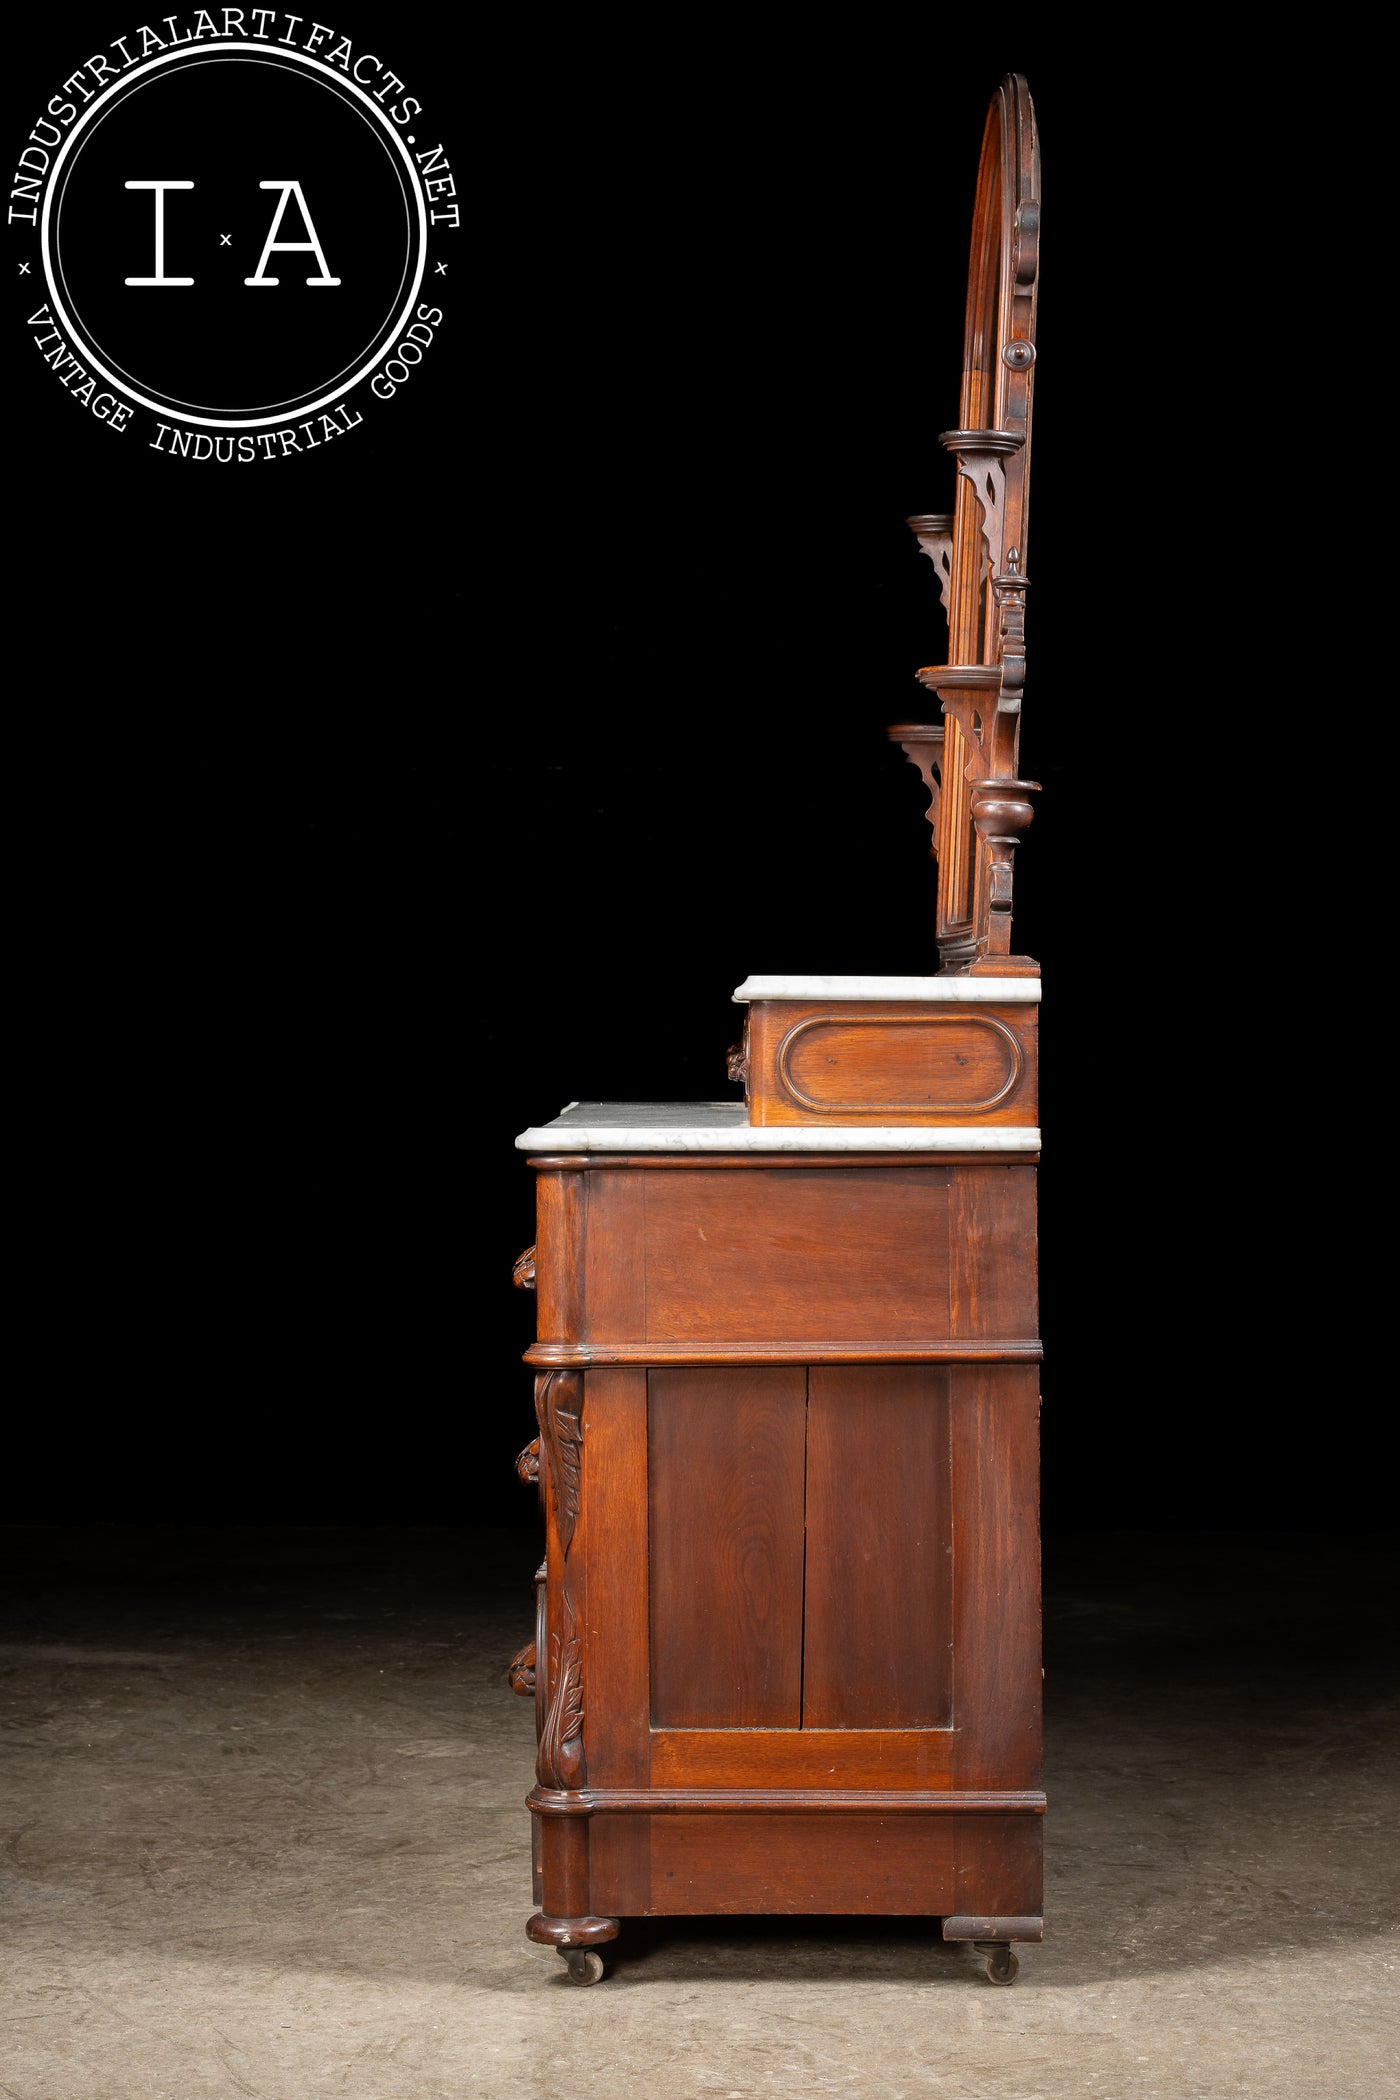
(583, 1965)
(999, 1962)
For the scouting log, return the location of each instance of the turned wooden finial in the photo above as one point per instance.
(1001, 814)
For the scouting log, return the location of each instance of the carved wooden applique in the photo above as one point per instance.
(559, 1409)
(522, 1671)
(527, 1465)
(560, 1761)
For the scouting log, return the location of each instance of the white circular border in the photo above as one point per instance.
(162, 409)
(207, 57)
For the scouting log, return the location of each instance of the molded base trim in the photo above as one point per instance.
(570, 1932)
(601, 1800)
(994, 1928)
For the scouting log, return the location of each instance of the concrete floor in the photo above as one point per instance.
(263, 1836)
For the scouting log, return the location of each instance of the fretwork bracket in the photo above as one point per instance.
(981, 458)
(969, 694)
(934, 534)
(922, 745)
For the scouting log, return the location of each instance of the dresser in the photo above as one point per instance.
(786, 1653)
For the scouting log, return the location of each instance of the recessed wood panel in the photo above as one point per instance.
(879, 1621)
(613, 1537)
(803, 1757)
(849, 1256)
(854, 1065)
(893, 1865)
(1000, 1865)
(992, 1243)
(995, 1422)
(892, 1062)
(725, 1466)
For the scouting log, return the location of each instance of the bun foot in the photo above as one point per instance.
(574, 1940)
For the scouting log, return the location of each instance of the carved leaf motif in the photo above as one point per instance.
(527, 1465)
(559, 1407)
(560, 1762)
(522, 1273)
(522, 1671)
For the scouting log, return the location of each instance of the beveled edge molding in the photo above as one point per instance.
(713, 1800)
(994, 1928)
(960, 678)
(578, 1356)
(570, 1932)
(1025, 1153)
(999, 444)
(955, 990)
(759, 1139)
(971, 1108)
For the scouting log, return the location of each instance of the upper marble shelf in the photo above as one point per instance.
(995, 991)
(723, 1126)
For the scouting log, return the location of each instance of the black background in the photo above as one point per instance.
(372, 805)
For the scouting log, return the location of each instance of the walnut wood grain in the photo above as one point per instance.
(619, 1742)
(851, 1256)
(694, 1800)
(725, 1467)
(829, 1861)
(878, 1622)
(893, 1062)
(927, 1349)
(878, 1759)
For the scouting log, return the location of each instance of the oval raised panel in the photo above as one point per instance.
(846, 1064)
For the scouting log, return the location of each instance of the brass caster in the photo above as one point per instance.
(583, 1965)
(999, 1963)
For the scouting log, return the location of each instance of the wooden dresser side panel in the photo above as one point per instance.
(560, 1259)
(676, 1865)
(725, 1475)
(774, 1254)
(996, 1575)
(992, 1252)
(892, 1062)
(617, 1703)
(999, 1866)
(615, 1268)
(883, 1759)
(879, 1615)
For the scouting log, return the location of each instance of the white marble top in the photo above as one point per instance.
(723, 1126)
(999, 990)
